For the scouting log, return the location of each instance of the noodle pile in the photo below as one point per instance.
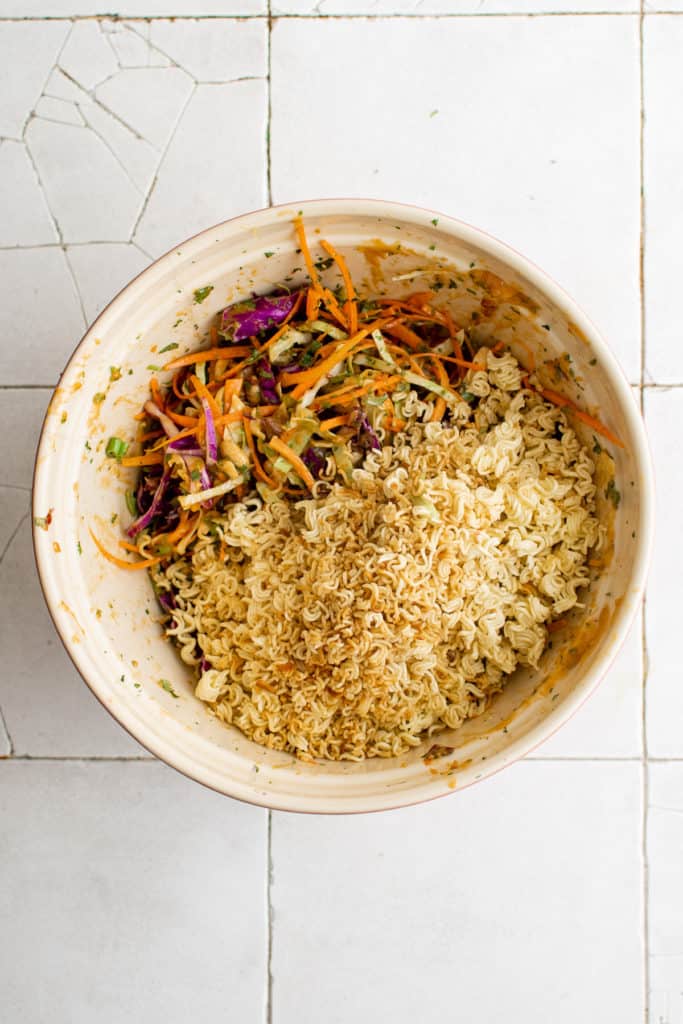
(353, 623)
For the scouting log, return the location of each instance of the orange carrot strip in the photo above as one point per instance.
(306, 253)
(156, 393)
(439, 410)
(293, 459)
(350, 307)
(150, 459)
(449, 359)
(182, 420)
(208, 355)
(144, 564)
(598, 427)
(404, 334)
(336, 421)
(308, 378)
(203, 392)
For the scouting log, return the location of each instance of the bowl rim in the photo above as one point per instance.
(171, 753)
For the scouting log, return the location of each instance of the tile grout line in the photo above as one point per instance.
(269, 922)
(310, 16)
(645, 771)
(269, 844)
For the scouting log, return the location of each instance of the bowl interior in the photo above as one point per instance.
(108, 617)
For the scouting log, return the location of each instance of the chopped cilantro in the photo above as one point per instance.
(202, 293)
(114, 373)
(178, 322)
(546, 327)
(167, 348)
(432, 247)
(433, 113)
(597, 447)
(153, 368)
(87, 446)
(63, 418)
(435, 221)
(613, 494)
(114, 517)
(165, 685)
(593, 361)
(195, 474)
(78, 547)
(269, 254)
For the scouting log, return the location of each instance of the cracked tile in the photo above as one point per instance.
(134, 894)
(136, 156)
(131, 49)
(90, 194)
(102, 270)
(58, 110)
(27, 52)
(26, 219)
(216, 50)
(163, 91)
(36, 291)
(427, 7)
(87, 56)
(204, 177)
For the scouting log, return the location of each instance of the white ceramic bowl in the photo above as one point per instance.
(106, 617)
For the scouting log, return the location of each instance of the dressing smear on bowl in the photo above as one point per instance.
(361, 515)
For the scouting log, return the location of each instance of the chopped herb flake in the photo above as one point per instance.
(167, 348)
(202, 293)
(116, 448)
(114, 373)
(597, 447)
(435, 221)
(269, 254)
(165, 685)
(99, 397)
(613, 494)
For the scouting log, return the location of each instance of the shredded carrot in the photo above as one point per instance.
(203, 392)
(258, 470)
(598, 427)
(336, 421)
(293, 459)
(149, 459)
(350, 307)
(209, 355)
(310, 377)
(122, 564)
(449, 359)
(156, 393)
(306, 252)
(563, 402)
(312, 303)
(404, 334)
(498, 347)
(182, 420)
(439, 410)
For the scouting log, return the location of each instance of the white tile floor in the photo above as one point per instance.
(546, 894)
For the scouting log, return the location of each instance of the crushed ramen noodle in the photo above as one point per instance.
(355, 620)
